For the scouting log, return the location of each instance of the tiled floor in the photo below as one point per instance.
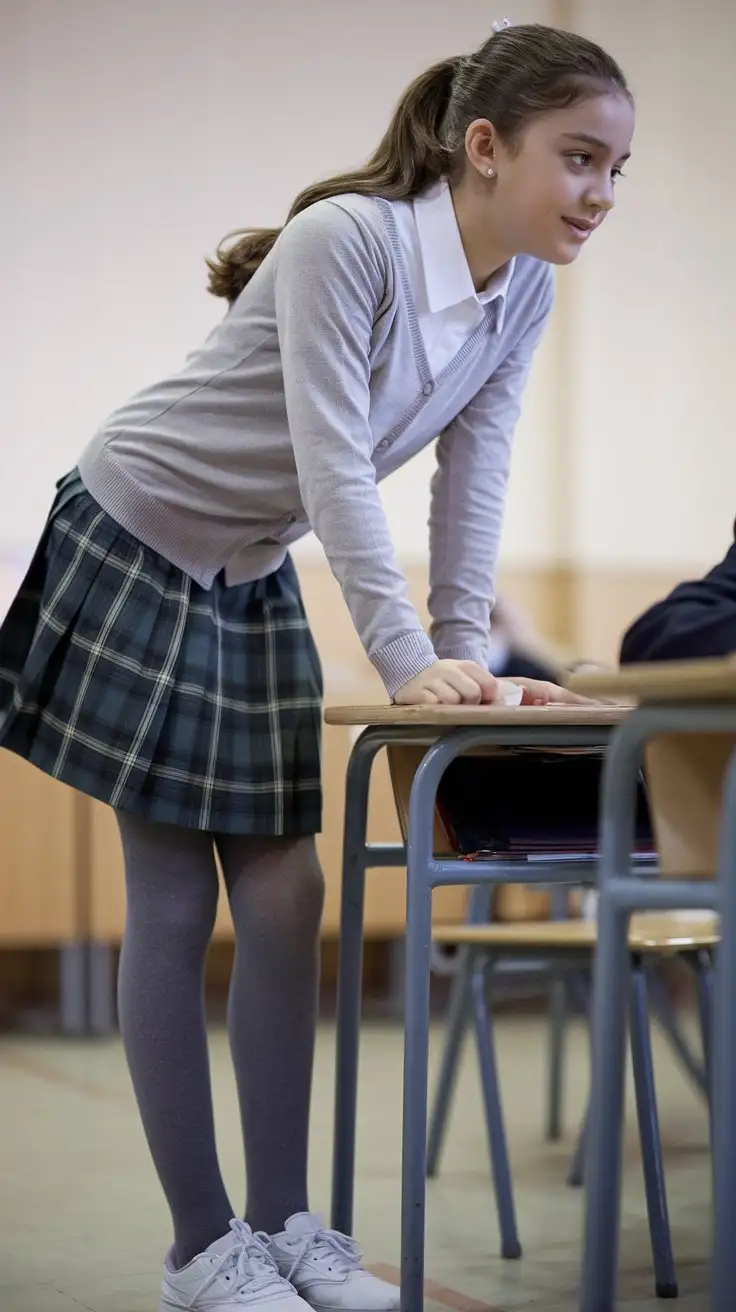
(82, 1223)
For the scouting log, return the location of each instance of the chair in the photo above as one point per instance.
(571, 943)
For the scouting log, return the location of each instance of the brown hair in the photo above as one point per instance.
(516, 75)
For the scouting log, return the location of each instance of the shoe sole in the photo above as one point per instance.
(165, 1305)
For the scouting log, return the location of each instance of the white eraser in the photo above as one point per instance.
(509, 694)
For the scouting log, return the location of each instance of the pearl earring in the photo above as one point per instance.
(491, 173)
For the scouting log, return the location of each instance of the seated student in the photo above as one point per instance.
(697, 619)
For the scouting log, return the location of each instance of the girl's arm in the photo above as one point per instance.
(468, 501)
(330, 281)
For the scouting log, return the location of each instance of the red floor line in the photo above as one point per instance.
(439, 1293)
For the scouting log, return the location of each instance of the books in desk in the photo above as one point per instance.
(532, 807)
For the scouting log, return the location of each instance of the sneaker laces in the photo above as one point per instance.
(248, 1264)
(344, 1253)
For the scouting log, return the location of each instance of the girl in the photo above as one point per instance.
(158, 657)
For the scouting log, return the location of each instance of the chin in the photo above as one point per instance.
(560, 252)
(564, 254)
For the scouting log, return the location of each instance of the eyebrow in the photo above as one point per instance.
(592, 141)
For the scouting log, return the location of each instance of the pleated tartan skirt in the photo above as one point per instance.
(124, 678)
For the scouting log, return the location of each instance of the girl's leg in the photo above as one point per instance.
(276, 891)
(171, 881)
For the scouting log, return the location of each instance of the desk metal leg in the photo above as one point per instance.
(605, 1120)
(558, 1009)
(649, 1136)
(419, 882)
(495, 1128)
(102, 1009)
(724, 1062)
(73, 989)
(704, 979)
(349, 980)
(576, 1169)
(455, 1031)
(579, 986)
(558, 1017)
(703, 966)
(611, 976)
(479, 910)
(416, 1060)
(665, 1013)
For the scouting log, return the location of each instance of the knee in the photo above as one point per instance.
(310, 878)
(290, 879)
(279, 882)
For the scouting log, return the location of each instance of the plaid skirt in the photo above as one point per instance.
(124, 678)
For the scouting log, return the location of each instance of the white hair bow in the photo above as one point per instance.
(500, 24)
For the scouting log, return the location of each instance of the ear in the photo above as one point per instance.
(481, 147)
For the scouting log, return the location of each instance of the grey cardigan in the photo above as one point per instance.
(311, 390)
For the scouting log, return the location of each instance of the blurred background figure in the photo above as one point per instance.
(517, 648)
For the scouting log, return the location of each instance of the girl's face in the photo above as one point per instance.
(551, 193)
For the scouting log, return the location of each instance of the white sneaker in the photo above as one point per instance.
(236, 1271)
(324, 1267)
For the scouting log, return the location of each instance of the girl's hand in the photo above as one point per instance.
(448, 683)
(541, 693)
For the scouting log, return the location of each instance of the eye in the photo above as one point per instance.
(617, 173)
(582, 158)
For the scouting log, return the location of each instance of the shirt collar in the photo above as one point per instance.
(447, 278)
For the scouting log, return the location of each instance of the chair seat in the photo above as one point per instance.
(654, 932)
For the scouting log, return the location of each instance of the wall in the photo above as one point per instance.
(654, 318)
(135, 136)
(651, 324)
(145, 132)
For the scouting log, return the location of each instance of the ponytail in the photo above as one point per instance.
(411, 156)
(516, 75)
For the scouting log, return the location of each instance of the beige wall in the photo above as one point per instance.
(143, 133)
(653, 316)
(649, 326)
(136, 135)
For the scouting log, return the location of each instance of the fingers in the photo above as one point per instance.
(485, 682)
(409, 696)
(463, 686)
(450, 688)
(576, 699)
(452, 683)
(445, 693)
(449, 683)
(541, 693)
(453, 689)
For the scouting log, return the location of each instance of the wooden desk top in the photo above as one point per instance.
(448, 717)
(711, 680)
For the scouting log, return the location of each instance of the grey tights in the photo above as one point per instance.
(276, 892)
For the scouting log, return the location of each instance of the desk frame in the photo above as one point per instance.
(444, 742)
(622, 891)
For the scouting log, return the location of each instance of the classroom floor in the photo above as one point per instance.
(82, 1223)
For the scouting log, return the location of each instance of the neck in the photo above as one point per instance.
(484, 254)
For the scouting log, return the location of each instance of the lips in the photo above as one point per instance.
(581, 227)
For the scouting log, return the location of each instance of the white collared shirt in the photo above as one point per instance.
(448, 306)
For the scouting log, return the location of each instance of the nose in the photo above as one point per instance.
(602, 194)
